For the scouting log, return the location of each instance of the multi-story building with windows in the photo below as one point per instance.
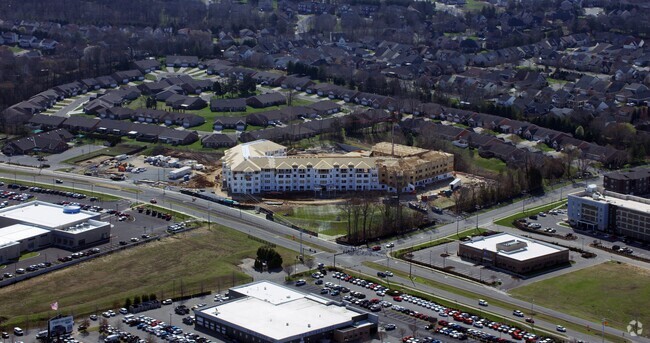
(263, 166)
(620, 214)
(634, 181)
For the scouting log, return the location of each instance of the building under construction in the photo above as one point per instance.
(411, 166)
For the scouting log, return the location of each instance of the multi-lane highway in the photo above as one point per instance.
(256, 224)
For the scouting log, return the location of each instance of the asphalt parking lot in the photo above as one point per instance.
(584, 238)
(136, 226)
(406, 325)
(435, 256)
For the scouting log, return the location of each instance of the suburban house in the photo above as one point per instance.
(299, 83)
(178, 137)
(116, 113)
(266, 100)
(44, 122)
(147, 115)
(49, 142)
(266, 78)
(219, 140)
(325, 107)
(228, 105)
(182, 61)
(147, 66)
(185, 120)
(237, 123)
(80, 124)
(178, 101)
(114, 127)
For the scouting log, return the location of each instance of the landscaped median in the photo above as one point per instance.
(509, 221)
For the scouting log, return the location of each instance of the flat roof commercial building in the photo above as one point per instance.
(513, 253)
(621, 214)
(36, 225)
(267, 312)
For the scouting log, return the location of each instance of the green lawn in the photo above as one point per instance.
(28, 255)
(475, 5)
(618, 292)
(324, 219)
(193, 261)
(16, 49)
(508, 221)
(544, 147)
(493, 164)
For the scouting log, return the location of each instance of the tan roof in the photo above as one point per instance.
(386, 148)
(237, 155)
(304, 161)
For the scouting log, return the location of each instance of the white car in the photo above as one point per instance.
(167, 302)
(482, 302)
(124, 310)
(517, 313)
(390, 245)
(560, 328)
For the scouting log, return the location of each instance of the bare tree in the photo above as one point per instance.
(288, 268)
(309, 262)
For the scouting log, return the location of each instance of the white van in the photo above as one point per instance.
(112, 339)
(18, 331)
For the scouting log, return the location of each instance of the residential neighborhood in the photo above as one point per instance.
(298, 171)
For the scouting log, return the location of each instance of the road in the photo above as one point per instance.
(257, 225)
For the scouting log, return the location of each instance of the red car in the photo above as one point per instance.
(376, 248)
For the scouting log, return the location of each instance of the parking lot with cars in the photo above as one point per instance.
(549, 225)
(411, 319)
(129, 226)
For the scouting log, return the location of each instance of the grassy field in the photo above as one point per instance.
(493, 164)
(323, 219)
(508, 221)
(197, 260)
(609, 290)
